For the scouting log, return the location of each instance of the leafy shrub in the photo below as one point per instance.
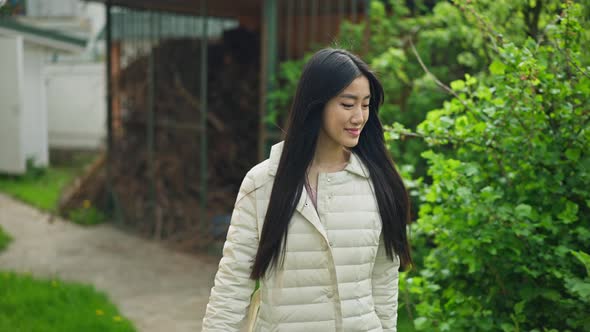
(87, 214)
(508, 209)
(5, 239)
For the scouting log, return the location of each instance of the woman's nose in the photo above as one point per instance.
(357, 117)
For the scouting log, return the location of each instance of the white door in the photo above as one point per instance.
(12, 157)
(76, 105)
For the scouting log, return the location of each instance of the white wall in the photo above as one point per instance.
(76, 105)
(23, 115)
(72, 17)
(96, 14)
(53, 8)
(12, 158)
(35, 111)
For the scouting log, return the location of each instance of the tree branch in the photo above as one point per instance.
(441, 84)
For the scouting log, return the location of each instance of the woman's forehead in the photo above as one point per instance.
(358, 88)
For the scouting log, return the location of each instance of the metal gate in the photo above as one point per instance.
(161, 67)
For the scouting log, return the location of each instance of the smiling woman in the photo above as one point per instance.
(349, 111)
(321, 224)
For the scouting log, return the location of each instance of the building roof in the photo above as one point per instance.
(218, 8)
(129, 24)
(224, 8)
(40, 36)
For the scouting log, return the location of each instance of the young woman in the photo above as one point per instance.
(321, 224)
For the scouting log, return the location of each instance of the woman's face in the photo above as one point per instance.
(345, 115)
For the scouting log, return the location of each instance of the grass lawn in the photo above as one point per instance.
(30, 304)
(4, 239)
(42, 187)
(41, 190)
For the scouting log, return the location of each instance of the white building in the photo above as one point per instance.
(51, 84)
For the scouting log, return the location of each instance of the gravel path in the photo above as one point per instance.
(158, 289)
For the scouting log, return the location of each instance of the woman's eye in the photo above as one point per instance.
(347, 105)
(366, 106)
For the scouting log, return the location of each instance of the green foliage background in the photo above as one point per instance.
(488, 113)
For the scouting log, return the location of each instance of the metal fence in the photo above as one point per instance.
(160, 67)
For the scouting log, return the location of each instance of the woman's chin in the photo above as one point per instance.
(350, 142)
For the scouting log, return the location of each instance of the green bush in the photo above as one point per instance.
(34, 305)
(5, 239)
(508, 209)
(87, 215)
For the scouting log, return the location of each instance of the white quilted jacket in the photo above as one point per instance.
(336, 275)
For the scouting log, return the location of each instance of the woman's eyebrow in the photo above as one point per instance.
(351, 96)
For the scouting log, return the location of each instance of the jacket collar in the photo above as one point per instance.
(355, 165)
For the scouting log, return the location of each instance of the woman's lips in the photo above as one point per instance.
(353, 132)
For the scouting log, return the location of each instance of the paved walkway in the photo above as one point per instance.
(158, 289)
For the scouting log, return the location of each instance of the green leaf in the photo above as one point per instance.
(579, 287)
(498, 102)
(484, 93)
(420, 323)
(470, 80)
(573, 154)
(470, 170)
(518, 308)
(507, 327)
(584, 258)
(497, 68)
(523, 210)
(458, 85)
(550, 294)
(570, 213)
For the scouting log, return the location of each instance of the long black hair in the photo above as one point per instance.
(325, 75)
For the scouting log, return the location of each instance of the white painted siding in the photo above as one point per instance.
(53, 8)
(76, 105)
(12, 158)
(35, 111)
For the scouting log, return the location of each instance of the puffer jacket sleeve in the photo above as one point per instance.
(385, 288)
(230, 295)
